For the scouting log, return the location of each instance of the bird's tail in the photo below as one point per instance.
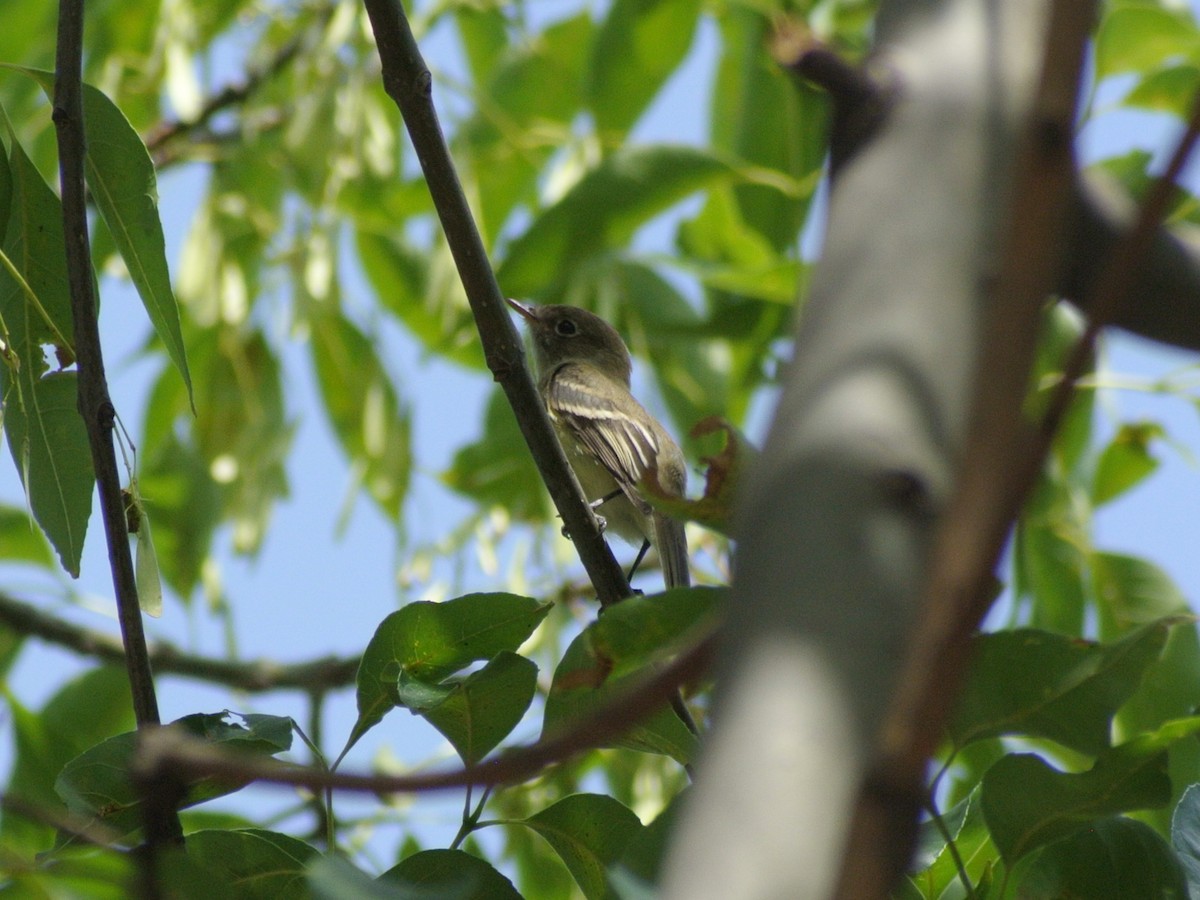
(671, 541)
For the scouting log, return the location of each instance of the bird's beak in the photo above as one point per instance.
(525, 312)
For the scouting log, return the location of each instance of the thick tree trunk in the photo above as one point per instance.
(838, 518)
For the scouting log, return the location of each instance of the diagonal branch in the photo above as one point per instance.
(94, 404)
(167, 755)
(408, 82)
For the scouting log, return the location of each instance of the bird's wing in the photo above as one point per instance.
(614, 427)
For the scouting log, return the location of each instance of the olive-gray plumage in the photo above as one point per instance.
(611, 441)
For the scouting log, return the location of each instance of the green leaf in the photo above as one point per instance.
(760, 115)
(483, 32)
(1113, 859)
(185, 503)
(241, 429)
(1168, 90)
(34, 243)
(46, 437)
(121, 179)
(1131, 591)
(936, 866)
(1126, 461)
(480, 711)
(1168, 691)
(497, 470)
(450, 874)
(726, 254)
(641, 629)
(1139, 38)
(525, 116)
(1038, 684)
(582, 684)
(50, 446)
(1062, 326)
(334, 878)
(6, 196)
(440, 319)
(1028, 804)
(1051, 552)
(430, 641)
(638, 47)
(97, 782)
(20, 539)
(589, 832)
(364, 409)
(83, 712)
(1185, 834)
(91, 872)
(258, 863)
(646, 851)
(603, 209)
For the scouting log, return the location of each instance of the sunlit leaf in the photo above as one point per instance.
(364, 408)
(478, 712)
(497, 470)
(604, 209)
(431, 641)
(50, 446)
(1126, 461)
(639, 45)
(1143, 36)
(122, 182)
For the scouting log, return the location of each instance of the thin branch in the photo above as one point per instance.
(252, 676)
(994, 479)
(233, 94)
(86, 829)
(408, 82)
(94, 404)
(166, 754)
(860, 102)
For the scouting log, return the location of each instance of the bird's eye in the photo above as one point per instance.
(566, 328)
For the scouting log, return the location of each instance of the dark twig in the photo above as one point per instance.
(252, 676)
(85, 829)
(999, 468)
(408, 82)
(94, 404)
(860, 103)
(166, 751)
(232, 94)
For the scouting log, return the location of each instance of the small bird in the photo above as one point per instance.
(610, 440)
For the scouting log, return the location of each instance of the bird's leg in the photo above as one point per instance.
(600, 520)
(637, 562)
(596, 504)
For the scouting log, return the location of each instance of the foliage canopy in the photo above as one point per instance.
(313, 254)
